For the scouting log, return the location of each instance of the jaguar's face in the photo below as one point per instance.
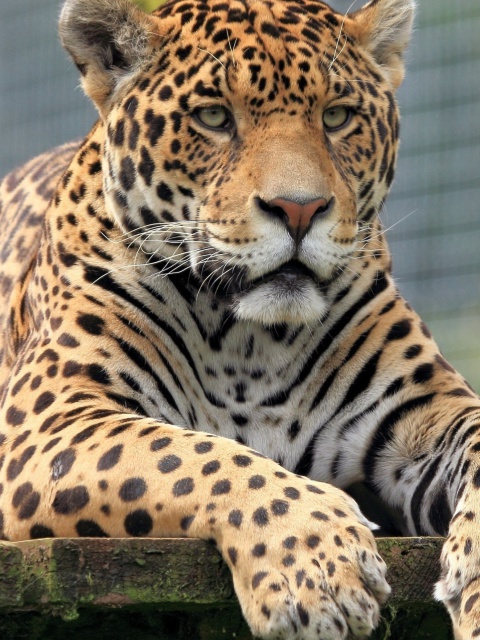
(254, 152)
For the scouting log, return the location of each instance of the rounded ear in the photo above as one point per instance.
(384, 27)
(108, 40)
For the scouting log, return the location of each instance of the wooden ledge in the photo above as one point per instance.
(175, 589)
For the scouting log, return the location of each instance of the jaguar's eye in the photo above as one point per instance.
(336, 117)
(214, 117)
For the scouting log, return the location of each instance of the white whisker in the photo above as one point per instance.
(335, 55)
(232, 49)
(211, 54)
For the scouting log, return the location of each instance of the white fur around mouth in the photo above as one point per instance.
(287, 295)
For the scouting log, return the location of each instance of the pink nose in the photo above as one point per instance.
(297, 216)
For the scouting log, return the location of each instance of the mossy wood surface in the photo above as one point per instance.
(169, 589)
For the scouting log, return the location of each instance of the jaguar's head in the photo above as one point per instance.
(252, 142)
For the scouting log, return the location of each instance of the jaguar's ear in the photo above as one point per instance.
(108, 41)
(384, 27)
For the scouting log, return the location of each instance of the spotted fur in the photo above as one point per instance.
(201, 333)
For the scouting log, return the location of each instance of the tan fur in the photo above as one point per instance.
(183, 354)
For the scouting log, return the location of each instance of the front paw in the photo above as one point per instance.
(307, 567)
(459, 587)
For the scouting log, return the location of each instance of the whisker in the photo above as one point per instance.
(232, 49)
(211, 54)
(335, 55)
(383, 231)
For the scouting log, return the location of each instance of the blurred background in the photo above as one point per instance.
(434, 209)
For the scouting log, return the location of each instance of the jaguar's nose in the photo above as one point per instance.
(298, 217)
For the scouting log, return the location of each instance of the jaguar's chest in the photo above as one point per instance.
(183, 357)
(246, 382)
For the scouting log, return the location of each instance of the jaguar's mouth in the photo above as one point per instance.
(291, 273)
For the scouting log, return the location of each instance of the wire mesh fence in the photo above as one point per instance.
(433, 210)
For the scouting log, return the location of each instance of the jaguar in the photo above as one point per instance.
(201, 334)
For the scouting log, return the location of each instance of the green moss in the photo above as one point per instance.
(175, 590)
(414, 623)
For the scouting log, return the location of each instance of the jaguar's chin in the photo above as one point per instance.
(289, 294)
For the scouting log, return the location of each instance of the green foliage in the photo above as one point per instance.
(149, 5)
